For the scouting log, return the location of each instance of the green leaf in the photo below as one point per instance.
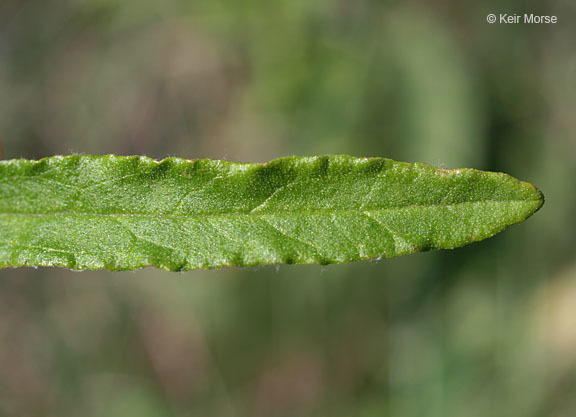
(118, 213)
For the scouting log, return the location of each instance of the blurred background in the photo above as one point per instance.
(485, 330)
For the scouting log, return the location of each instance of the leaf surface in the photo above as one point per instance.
(120, 213)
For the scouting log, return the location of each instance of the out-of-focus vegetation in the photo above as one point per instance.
(486, 330)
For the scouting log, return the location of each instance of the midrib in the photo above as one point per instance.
(268, 213)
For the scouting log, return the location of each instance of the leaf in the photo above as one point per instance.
(119, 213)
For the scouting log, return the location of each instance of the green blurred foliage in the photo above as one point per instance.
(489, 329)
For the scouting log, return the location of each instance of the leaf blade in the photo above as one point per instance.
(118, 213)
